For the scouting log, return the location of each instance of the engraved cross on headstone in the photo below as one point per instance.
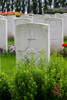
(31, 37)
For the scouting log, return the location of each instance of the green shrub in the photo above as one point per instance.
(45, 76)
(56, 69)
(53, 11)
(36, 81)
(65, 51)
(30, 80)
(25, 86)
(4, 88)
(57, 73)
(65, 38)
(50, 11)
(40, 77)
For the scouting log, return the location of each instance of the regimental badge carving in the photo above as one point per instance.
(29, 51)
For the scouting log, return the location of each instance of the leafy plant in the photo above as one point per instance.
(4, 88)
(36, 81)
(25, 86)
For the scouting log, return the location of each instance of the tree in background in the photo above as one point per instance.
(57, 3)
(8, 5)
(63, 3)
(2, 3)
(49, 3)
(29, 6)
(12, 4)
(17, 5)
(46, 4)
(40, 6)
(34, 6)
(23, 6)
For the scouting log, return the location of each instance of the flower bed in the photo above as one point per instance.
(65, 49)
(64, 45)
(11, 13)
(10, 22)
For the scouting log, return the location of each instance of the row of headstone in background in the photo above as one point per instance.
(28, 37)
(56, 31)
(25, 28)
(56, 28)
(3, 34)
(64, 17)
(11, 22)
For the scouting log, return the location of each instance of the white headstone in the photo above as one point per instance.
(22, 20)
(64, 17)
(49, 15)
(3, 34)
(27, 16)
(32, 37)
(19, 21)
(10, 26)
(56, 32)
(44, 16)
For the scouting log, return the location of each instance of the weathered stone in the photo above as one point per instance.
(3, 34)
(56, 32)
(32, 37)
(64, 17)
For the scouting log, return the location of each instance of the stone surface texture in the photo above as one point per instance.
(56, 31)
(64, 17)
(32, 38)
(3, 34)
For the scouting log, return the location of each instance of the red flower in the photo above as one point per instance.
(3, 13)
(57, 88)
(64, 45)
(59, 94)
(56, 93)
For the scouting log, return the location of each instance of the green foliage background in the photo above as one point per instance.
(34, 6)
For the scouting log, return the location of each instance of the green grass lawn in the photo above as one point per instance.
(65, 42)
(8, 63)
